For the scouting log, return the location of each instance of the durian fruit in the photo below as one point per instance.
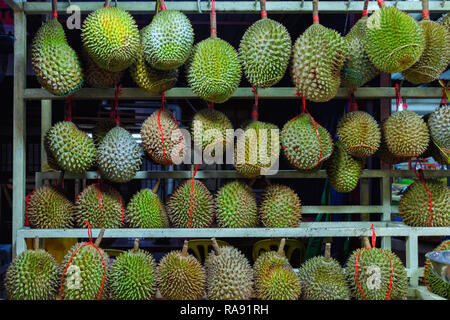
(394, 40)
(179, 204)
(49, 208)
(317, 59)
(236, 206)
(359, 133)
(415, 204)
(159, 134)
(111, 37)
(100, 205)
(70, 148)
(385, 155)
(167, 41)
(303, 147)
(264, 51)
(322, 278)
(119, 156)
(344, 170)
(434, 58)
(84, 271)
(209, 131)
(280, 207)
(102, 127)
(55, 64)
(374, 275)
(32, 275)
(439, 128)
(97, 77)
(150, 79)
(445, 21)
(432, 282)
(132, 276)
(357, 69)
(181, 276)
(146, 210)
(274, 277)
(257, 150)
(229, 275)
(405, 134)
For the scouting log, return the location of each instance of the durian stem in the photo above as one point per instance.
(365, 6)
(100, 237)
(162, 5)
(327, 254)
(54, 9)
(107, 3)
(185, 248)
(215, 246)
(262, 4)
(366, 243)
(280, 251)
(136, 245)
(315, 11)
(425, 12)
(36, 243)
(381, 3)
(155, 188)
(213, 20)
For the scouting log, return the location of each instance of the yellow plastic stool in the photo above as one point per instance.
(113, 253)
(199, 246)
(272, 245)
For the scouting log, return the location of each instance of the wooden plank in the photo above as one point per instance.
(15, 5)
(239, 7)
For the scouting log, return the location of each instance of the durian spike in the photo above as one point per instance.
(136, 245)
(215, 246)
(36, 243)
(185, 248)
(327, 254)
(315, 11)
(280, 251)
(366, 243)
(100, 237)
(425, 12)
(155, 188)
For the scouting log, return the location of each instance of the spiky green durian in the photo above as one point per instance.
(433, 283)
(101, 206)
(229, 275)
(374, 275)
(32, 275)
(415, 204)
(385, 155)
(303, 147)
(111, 37)
(55, 64)
(344, 170)
(394, 40)
(322, 278)
(280, 283)
(84, 277)
(102, 127)
(357, 69)
(257, 150)
(159, 134)
(97, 77)
(132, 276)
(359, 133)
(439, 127)
(167, 41)
(48, 208)
(119, 156)
(280, 207)
(264, 52)
(434, 58)
(236, 206)
(181, 276)
(72, 149)
(317, 59)
(179, 204)
(209, 130)
(214, 70)
(405, 134)
(445, 21)
(146, 210)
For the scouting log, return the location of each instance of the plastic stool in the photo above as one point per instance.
(201, 247)
(272, 245)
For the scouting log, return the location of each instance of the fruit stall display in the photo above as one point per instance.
(322, 64)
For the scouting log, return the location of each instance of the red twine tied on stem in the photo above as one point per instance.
(191, 196)
(162, 6)
(380, 2)
(255, 114)
(444, 93)
(213, 29)
(263, 11)
(115, 112)
(398, 98)
(365, 13)
(90, 243)
(68, 111)
(421, 177)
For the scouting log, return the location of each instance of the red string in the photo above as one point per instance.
(255, 106)
(191, 197)
(213, 17)
(90, 243)
(374, 237)
(398, 98)
(380, 2)
(54, 14)
(68, 115)
(425, 14)
(422, 179)
(162, 6)
(211, 105)
(116, 103)
(428, 263)
(356, 273)
(315, 18)
(264, 12)
(388, 295)
(364, 13)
